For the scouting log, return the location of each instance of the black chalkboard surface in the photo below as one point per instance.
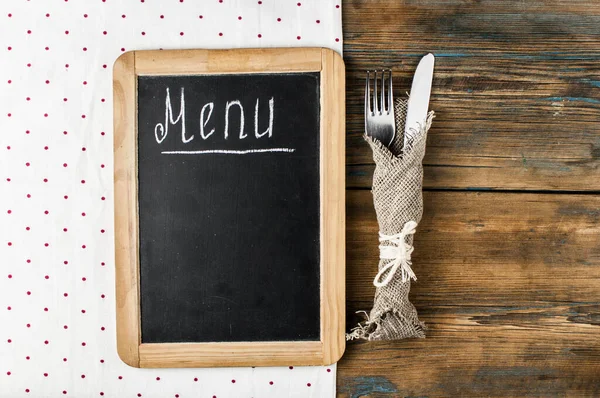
(228, 192)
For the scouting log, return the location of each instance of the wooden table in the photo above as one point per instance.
(508, 251)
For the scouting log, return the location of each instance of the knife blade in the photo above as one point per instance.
(418, 101)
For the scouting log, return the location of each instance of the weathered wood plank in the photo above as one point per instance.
(516, 88)
(508, 285)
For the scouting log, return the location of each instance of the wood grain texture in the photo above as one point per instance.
(508, 286)
(333, 207)
(253, 60)
(516, 88)
(126, 227)
(192, 355)
(332, 291)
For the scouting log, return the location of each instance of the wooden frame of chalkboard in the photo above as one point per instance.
(330, 67)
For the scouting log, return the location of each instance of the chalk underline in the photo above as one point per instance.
(228, 151)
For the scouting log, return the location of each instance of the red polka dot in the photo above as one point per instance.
(233, 381)
(83, 344)
(83, 311)
(66, 294)
(259, 2)
(65, 327)
(158, 379)
(299, 4)
(64, 359)
(143, 33)
(9, 308)
(259, 35)
(278, 19)
(45, 374)
(84, 279)
(83, 214)
(9, 211)
(181, 33)
(239, 18)
(139, 395)
(162, 17)
(318, 21)
(66, 32)
(291, 367)
(85, 15)
(47, 15)
(308, 384)
(28, 293)
(337, 39)
(298, 37)
(83, 181)
(200, 16)
(102, 361)
(66, 197)
(9, 276)
(102, 296)
(104, 33)
(337, 6)
(64, 392)
(328, 370)
(195, 379)
(27, 228)
(271, 383)
(120, 377)
(46, 309)
(27, 390)
(46, 342)
(123, 16)
(220, 33)
(83, 376)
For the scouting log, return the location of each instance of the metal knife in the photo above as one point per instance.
(418, 101)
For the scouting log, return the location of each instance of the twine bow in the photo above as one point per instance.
(399, 251)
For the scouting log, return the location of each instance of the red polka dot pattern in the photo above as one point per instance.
(57, 308)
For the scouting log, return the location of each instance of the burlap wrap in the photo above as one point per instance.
(398, 199)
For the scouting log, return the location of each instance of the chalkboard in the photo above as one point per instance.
(229, 207)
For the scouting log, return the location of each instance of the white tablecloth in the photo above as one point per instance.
(57, 305)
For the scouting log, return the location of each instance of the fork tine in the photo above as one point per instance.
(367, 93)
(375, 103)
(390, 92)
(382, 95)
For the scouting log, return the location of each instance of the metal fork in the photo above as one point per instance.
(379, 115)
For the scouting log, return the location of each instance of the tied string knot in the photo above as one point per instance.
(399, 252)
